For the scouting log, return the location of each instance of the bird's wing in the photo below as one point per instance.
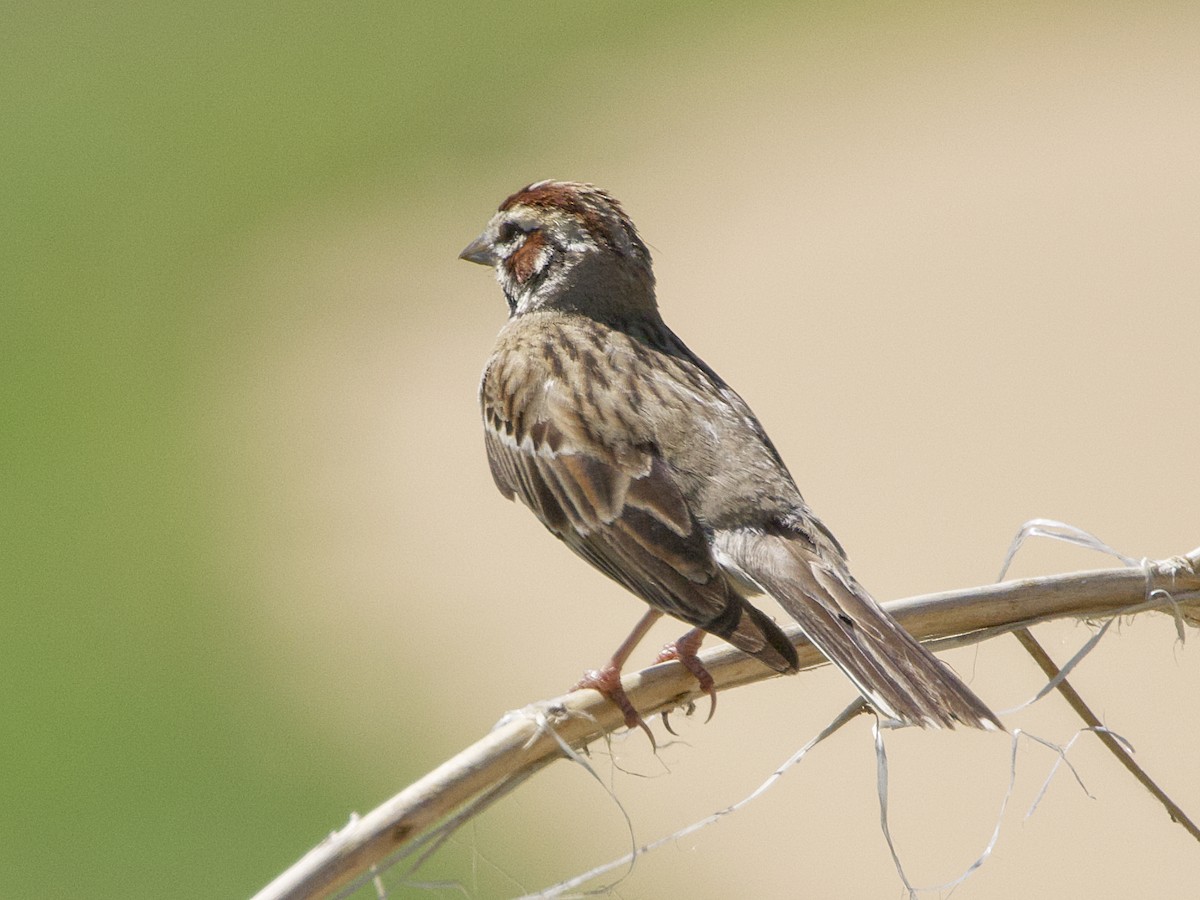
(619, 507)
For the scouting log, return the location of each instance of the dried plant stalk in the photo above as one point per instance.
(529, 739)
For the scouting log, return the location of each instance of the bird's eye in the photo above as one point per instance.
(508, 231)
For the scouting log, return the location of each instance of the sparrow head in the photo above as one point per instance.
(564, 245)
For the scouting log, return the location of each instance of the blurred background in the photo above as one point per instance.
(255, 572)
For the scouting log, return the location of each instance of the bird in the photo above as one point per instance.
(640, 458)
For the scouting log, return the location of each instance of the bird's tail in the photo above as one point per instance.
(753, 632)
(898, 676)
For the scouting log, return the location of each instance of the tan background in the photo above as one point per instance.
(952, 263)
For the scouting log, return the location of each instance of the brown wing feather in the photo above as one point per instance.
(624, 514)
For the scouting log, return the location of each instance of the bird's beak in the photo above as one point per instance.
(480, 251)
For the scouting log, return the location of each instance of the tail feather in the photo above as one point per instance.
(892, 670)
(754, 632)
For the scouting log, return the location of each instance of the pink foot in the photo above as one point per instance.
(607, 681)
(684, 650)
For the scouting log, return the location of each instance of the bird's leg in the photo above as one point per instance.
(685, 650)
(607, 679)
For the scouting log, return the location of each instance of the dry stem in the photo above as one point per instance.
(529, 739)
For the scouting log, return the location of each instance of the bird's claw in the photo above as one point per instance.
(684, 651)
(607, 681)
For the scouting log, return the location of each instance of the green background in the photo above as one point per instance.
(143, 143)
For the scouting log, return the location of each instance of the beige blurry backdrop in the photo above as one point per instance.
(950, 261)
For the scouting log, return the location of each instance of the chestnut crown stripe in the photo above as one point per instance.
(598, 211)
